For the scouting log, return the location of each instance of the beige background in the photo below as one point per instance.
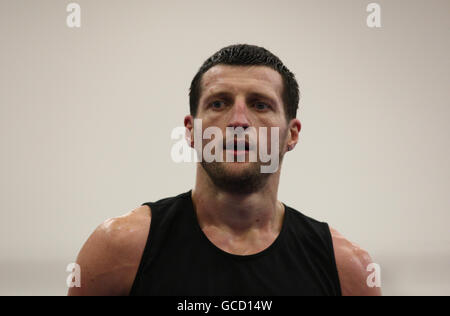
(86, 116)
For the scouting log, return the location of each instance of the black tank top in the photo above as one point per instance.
(180, 260)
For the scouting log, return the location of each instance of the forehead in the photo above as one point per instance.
(247, 77)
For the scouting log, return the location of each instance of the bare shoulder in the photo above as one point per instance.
(352, 262)
(110, 257)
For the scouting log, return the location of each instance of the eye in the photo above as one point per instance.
(261, 106)
(217, 104)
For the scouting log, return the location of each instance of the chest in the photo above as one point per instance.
(250, 243)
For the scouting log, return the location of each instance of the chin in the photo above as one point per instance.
(239, 165)
(240, 168)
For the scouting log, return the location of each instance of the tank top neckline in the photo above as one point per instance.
(210, 244)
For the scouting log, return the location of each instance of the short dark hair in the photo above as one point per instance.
(248, 55)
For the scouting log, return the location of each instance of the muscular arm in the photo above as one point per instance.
(352, 262)
(110, 257)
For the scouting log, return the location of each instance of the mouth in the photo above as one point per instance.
(233, 146)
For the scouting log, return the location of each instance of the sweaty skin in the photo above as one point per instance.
(110, 258)
(242, 224)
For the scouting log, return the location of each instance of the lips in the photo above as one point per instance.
(234, 146)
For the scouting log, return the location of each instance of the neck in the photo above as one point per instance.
(237, 213)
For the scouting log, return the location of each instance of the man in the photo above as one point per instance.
(229, 235)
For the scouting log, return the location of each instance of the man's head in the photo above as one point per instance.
(244, 86)
(248, 55)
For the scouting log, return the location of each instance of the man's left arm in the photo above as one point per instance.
(352, 262)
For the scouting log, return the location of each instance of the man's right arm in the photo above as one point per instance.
(110, 257)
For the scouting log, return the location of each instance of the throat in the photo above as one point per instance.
(250, 244)
(247, 242)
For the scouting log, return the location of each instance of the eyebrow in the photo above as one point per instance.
(258, 95)
(218, 94)
(251, 95)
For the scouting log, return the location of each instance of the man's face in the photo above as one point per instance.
(242, 96)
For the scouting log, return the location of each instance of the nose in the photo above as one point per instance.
(239, 115)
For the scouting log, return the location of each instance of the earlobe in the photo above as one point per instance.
(188, 123)
(189, 138)
(294, 130)
(294, 133)
(290, 147)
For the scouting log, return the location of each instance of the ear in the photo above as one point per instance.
(294, 130)
(189, 124)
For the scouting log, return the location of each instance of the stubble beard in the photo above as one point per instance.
(238, 177)
(244, 178)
